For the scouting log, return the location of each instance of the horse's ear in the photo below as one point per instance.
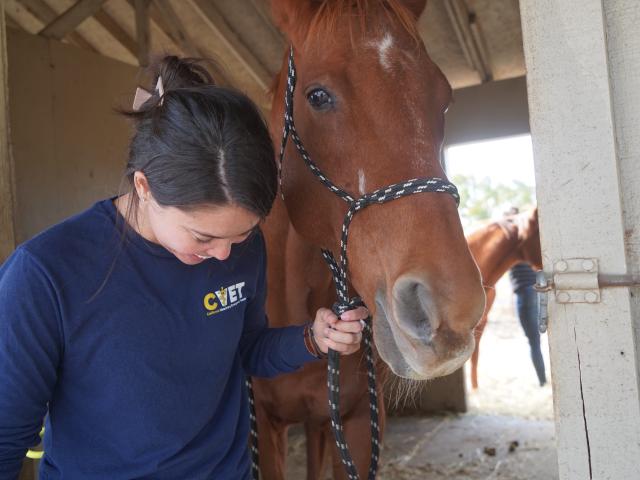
(293, 17)
(415, 6)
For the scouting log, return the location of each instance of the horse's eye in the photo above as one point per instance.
(320, 99)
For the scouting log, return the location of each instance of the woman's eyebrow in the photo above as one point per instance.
(208, 235)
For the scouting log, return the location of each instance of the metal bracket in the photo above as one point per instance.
(576, 280)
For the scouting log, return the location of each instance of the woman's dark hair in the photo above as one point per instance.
(200, 144)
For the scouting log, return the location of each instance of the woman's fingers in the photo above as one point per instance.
(343, 337)
(360, 313)
(340, 334)
(342, 347)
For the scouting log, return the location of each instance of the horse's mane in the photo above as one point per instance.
(516, 227)
(521, 222)
(325, 18)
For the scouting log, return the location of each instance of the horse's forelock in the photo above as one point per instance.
(323, 21)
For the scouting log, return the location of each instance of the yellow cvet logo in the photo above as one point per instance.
(209, 302)
(224, 299)
(222, 296)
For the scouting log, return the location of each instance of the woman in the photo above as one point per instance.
(134, 323)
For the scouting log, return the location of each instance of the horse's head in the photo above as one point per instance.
(369, 106)
(530, 239)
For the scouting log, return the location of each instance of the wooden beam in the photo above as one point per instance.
(142, 31)
(262, 8)
(231, 42)
(116, 31)
(481, 45)
(22, 16)
(46, 14)
(7, 185)
(71, 18)
(470, 42)
(163, 14)
(10, 22)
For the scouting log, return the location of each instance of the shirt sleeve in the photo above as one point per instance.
(30, 352)
(267, 352)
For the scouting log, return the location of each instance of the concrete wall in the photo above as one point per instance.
(69, 147)
(491, 110)
(583, 59)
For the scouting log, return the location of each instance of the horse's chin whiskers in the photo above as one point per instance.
(404, 391)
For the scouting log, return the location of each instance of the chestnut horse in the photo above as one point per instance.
(496, 248)
(369, 106)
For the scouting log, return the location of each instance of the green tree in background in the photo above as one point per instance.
(481, 199)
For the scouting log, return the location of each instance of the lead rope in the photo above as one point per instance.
(339, 273)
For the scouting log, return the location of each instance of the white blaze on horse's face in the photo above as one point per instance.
(362, 182)
(384, 47)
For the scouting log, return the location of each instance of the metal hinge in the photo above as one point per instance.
(576, 280)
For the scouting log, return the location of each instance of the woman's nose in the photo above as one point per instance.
(221, 250)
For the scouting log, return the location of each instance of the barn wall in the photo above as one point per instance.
(69, 147)
(491, 110)
(7, 231)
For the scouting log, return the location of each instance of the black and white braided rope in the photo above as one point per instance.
(253, 425)
(339, 272)
(333, 384)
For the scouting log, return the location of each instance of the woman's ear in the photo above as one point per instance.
(141, 185)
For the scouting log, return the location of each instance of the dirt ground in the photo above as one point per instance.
(508, 433)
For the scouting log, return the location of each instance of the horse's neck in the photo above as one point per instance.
(495, 252)
(299, 281)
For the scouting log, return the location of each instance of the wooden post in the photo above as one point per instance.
(142, 31)
(7, 187)
(583, 65)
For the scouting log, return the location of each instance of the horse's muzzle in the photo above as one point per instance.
(412, 337)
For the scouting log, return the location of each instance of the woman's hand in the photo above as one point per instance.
(342, 335)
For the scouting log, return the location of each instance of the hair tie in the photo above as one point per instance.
(143, 95)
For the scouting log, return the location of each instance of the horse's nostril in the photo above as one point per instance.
(423, 327)
(411, 300)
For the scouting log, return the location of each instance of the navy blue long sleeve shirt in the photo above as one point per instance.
(138, 359)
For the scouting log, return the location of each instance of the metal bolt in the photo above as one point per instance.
(563, 297)
(561, 266)
(591, 297)
(588, 265)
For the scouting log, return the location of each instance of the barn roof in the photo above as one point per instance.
(473, 41)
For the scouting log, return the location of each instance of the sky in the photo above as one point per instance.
(503, 160)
